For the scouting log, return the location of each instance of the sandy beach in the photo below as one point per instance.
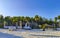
(35, 33)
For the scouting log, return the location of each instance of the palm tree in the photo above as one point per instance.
(50, 21)
(55, 21)
(37, 18)
(59, 20)
(7, 19)
(27, 18)
(59, 17)
(1, 21)
(43, 27)
(22, 18)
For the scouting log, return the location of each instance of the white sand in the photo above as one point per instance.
(5, 33)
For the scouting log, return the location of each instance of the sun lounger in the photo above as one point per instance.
(6, 27)
(27, 28)
(12, 28)
(58, 29)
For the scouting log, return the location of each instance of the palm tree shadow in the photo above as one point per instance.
(5, 35)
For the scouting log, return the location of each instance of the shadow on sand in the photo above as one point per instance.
(5, 35)
(44, 35)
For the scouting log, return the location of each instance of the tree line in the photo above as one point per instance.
(36, 19)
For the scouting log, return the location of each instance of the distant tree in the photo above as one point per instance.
(59, 17)
(55, 19)
(7, 19)
(27, 18)
(59, 20)
(1, 21)
(1, 18)
(22, 18)
(31, 19)
(46, 21)
(55, 23)
(50, 21)
(37, 18)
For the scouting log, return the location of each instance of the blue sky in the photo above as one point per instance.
(44, 8)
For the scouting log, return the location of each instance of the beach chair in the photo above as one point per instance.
(12, 28)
